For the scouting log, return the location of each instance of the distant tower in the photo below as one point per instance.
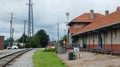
(30, 19)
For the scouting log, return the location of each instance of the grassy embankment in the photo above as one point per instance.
(46, 59)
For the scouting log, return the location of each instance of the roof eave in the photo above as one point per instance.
(98, 28)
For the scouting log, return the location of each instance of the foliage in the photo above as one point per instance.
(43, 38)
(20, 40)
(50, 50)
(19, 46)
(64, 38)
(33, 42)
(46, 59)
(40, 39)
(11, 40)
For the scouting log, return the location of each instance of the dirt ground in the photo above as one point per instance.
(88, 59)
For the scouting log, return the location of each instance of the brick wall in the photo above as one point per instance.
(1, 42)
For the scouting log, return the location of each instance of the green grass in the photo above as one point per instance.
(46, 59)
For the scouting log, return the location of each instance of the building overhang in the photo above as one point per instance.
(98, 28)
(70, 23)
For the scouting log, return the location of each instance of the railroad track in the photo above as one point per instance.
(5, 60)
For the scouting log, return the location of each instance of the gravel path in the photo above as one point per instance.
(24, 61)
(88, 59)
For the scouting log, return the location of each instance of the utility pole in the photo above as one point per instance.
(30, 19)
(24, 26)
(67, 16)
(12, 33)
(64, 32)
(24, 33)
(58, 33)
(10, 39)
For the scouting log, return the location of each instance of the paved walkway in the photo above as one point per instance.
(24, 61)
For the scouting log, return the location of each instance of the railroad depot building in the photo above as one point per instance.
(96, 31)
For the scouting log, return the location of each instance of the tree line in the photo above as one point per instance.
(40, 39)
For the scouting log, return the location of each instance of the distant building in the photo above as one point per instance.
(101, 33)
(1, 42)
(6, 43)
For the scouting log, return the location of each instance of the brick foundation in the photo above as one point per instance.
(106, 47)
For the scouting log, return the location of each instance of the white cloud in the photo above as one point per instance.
(47, 13)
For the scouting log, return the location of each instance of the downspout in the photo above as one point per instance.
(83, 42)
(89, 41)
(104, 40)
(93, 40)
(83, 46)
(111, 38)
(86, 42)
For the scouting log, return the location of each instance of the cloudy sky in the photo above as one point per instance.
(47, 13)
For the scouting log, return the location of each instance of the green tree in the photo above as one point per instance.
(33, 42)
(24, 36)
(43, 38)
(64, 38)
(11, 40)
(40, 39)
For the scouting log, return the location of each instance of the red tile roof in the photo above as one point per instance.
(83, 18)
(86, 17)
(74, 30)
(107, 20)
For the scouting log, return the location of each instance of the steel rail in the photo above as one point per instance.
(5, 60)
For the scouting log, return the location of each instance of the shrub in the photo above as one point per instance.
(50, 50)
(19, 46)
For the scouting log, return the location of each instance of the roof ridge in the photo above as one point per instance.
(85, 17)
(98, 23)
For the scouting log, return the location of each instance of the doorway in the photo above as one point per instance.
(99, 41)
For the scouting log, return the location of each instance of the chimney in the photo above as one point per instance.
(118, 9)
(106, 12)
(92, 14)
